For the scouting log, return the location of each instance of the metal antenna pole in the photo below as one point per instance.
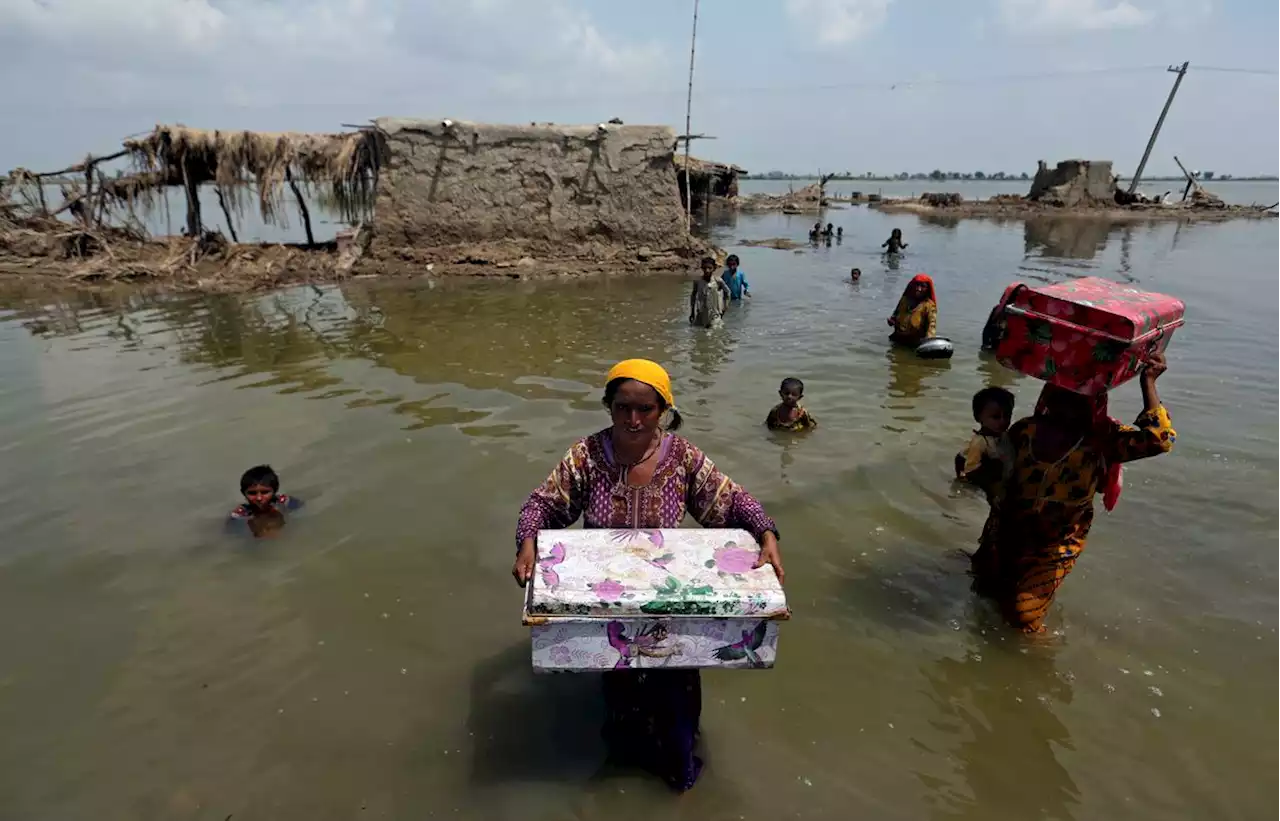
(688, 119)
(1181, 71)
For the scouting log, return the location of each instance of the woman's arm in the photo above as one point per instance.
(715, 500)
(556, 503)
(1152, 432)
(931, 320)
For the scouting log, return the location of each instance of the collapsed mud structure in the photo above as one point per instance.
(709, 184)
(416, 197)
(1085, 188)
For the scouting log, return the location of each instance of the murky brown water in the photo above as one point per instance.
(370, 662)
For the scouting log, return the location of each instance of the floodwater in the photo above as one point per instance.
(369, 663)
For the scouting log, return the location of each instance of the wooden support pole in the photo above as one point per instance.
(302, 206)
(88, 191)
(193, 201)
(226, 212)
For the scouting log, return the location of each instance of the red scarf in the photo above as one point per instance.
(1101, 424)
(925, 280)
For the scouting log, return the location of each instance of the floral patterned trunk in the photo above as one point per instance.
(1088, 335)
(649, 599)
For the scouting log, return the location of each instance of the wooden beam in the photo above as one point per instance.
(302, 205)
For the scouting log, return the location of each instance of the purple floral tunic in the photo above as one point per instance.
(588, 483)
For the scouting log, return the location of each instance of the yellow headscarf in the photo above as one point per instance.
(650, 373)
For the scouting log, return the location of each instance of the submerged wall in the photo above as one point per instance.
(510, 191)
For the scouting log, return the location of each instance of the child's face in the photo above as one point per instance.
(790, 397)
(259, 497)
(732, 265)
(994, 419)
(856, 274)
(708, 271)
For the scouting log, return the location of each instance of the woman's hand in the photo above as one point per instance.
(893, 322)
(1150, 373)
(769, 555)
(1154, 366)
(522, 570)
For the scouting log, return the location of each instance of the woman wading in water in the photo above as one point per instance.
(635, 474)
(1061, 457)
(916, 317)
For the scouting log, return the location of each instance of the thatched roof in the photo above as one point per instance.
(345, 164)
(707, 167)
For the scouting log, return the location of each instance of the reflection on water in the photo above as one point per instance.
(1067, 238)
(368, 660)
(1005, 706)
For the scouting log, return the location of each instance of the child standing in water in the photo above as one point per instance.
(789, 414)
(263, 501)
(894, 244)
(985, 459)
(709, 296)
(734, 279)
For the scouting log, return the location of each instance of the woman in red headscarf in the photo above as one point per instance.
(916, 317)
(1042, 509)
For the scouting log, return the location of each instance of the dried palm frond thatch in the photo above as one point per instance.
(342, 166)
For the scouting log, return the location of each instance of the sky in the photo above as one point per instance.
(796, 85)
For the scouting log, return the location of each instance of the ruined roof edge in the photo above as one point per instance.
(393, 125)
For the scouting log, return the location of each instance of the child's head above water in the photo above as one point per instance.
(791, 391)
(732, 262)
(993, 410)
(855, 274)
(708, 267)
(259, 486)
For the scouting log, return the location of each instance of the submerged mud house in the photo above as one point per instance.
(473, 193)
(709, 182)
(445, 194)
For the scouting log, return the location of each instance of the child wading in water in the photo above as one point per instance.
(263, 501)
(788, 414)
(709, 296)
(987, 457)
(894, 244)
(734, 279)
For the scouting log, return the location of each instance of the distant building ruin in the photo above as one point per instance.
(708, 181)
(1074, 183)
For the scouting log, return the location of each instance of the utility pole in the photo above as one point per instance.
(1181, 71)
(688, 120)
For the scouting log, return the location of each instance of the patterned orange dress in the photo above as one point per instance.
(1042, 512)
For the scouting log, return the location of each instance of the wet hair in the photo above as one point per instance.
(259, 475)
(1001, 397)
(857, 271)
(707, 261)
(611, 393)
(791, 384)
(896, 232)
(732, 258)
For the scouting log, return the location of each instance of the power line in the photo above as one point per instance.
(613, 95)
(1263, 71)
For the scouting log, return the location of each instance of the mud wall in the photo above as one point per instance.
(1073, 183)
(512, 191)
